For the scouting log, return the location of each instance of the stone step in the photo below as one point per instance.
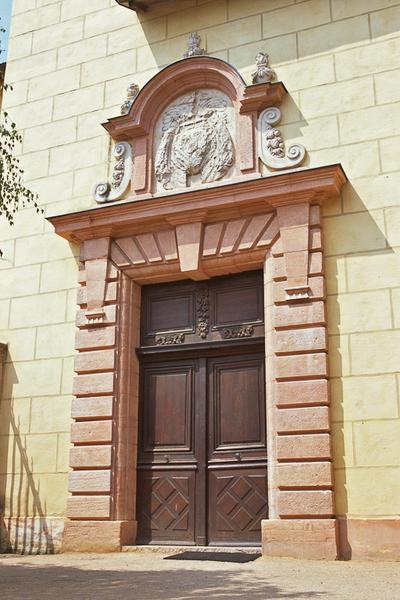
(153, 549)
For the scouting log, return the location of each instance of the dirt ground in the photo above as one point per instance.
(149, 576)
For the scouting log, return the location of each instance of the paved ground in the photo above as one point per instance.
(152, 577)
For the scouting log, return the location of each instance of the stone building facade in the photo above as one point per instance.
(203, 185)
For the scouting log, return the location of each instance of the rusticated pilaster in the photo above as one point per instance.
(301, 482)
(103, 431)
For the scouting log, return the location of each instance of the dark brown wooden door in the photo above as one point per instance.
(202, 459)
(237, 487)
(169, 478)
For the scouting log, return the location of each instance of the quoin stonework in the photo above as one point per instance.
(200, 336)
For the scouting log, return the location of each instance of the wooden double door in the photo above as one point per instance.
(202, 462)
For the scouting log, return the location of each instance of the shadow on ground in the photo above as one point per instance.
(31, 582)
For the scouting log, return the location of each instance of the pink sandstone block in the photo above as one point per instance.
(295, 393)
(92, 339)
(300, 340)
(305, 446)
(90, 481)
(302, 420)
(92, 407)
(305, 475)
(301, 366)
(99, 383)
(313, 539)
(304, 313)
(92, 432)
(88, 507)
(310, 503)
(90, 457)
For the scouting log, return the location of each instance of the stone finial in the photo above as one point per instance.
(194, 46)
(131, 93)
(263, 73)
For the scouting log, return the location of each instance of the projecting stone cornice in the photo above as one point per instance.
(205, 204)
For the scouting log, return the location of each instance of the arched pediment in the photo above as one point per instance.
(198, 72)
(197, 113)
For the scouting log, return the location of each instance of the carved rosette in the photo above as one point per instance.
(273, 152)
(195, 141)
(121, 177)
(203, 312)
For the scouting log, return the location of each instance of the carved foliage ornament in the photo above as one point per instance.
(203, 312)
(237, 332)
(272, 146)
(195, 140)
(121, 177)
(170, 340)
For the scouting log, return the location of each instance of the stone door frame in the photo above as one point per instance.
(272, 223)
(244, 222)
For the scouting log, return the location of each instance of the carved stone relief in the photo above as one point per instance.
(263, 72)
(121, 177)
(273, 152)
(194, 140)
(131, 93)
(194, 46)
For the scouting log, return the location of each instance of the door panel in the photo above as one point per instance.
(237, 491)
(168, 399)
(167, 464)
(166, 506)
(238, 502)
(199, 312)
(237, 390)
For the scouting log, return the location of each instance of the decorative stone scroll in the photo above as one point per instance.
(194, 140)
(121, 177)
(271, 144)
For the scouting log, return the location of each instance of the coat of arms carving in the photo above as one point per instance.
(195, 143)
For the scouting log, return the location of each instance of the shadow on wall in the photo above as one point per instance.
(340, 248)
(23, 526)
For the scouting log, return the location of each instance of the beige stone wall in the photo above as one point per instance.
(70, 63)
